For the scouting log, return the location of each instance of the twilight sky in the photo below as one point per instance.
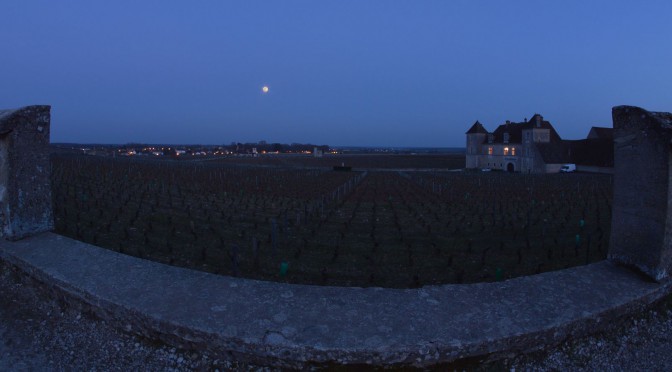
(381, 73)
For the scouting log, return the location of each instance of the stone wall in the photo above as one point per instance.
(25, 188)
(593, 169)
(553, 168)
(473, 150)
(641, 226)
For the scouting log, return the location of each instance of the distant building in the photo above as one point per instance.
(601, 133)
(317, 152)
(533, 146)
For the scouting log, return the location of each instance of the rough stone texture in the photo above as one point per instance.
(40, 333)
(300, 325)
(641, 226)
(25, 189)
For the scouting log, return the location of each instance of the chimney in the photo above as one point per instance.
(539, 118)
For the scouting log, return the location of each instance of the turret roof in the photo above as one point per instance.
(477, 128)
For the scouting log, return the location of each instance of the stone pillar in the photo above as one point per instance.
(25, 186)
(641, 227)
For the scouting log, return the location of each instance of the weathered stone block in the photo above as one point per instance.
(25, 188)
(641, 226)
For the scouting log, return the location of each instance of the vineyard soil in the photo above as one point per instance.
(302, 223)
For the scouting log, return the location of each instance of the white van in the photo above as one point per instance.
(568, 168)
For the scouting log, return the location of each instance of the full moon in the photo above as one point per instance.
(264, 89)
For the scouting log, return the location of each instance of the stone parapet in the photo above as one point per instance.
(25, 186)
(300, 326)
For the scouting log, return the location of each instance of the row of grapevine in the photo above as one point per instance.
(392, 229)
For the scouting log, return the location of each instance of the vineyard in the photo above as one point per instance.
(362, 161)
(396, 229)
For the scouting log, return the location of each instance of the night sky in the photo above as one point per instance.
(379, 73)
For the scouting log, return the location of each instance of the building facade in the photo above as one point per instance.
(533, 146)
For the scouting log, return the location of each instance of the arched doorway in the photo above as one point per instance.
(510, 167)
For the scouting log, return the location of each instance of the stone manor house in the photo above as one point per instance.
(534, 146)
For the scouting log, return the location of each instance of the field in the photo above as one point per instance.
(361, 161)
(295, 222)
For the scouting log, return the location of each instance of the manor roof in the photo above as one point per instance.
(515, 130)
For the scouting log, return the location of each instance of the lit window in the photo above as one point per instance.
(489, 150)
(506, 151)
(513, 151)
